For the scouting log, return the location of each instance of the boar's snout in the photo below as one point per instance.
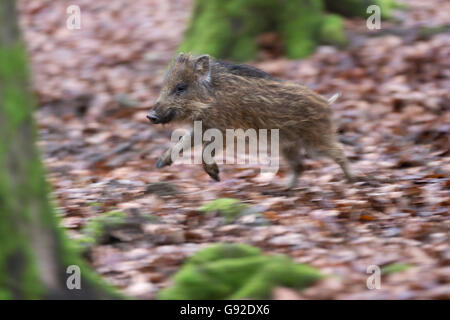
(161, 116)
(153, 118)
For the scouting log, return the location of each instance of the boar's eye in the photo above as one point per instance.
(180, 88)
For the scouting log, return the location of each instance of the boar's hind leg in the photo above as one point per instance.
(292, 156)
(210, 167)
(212, 170)
(335, 152)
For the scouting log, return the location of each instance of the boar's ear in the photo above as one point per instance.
(202, 68)
(180, 57)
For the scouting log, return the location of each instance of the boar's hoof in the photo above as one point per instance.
(162, 163)
(215, 177)
(212, 170)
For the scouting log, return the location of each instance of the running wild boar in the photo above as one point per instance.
(227, 96)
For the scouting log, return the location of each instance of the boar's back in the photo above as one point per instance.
(244, 70)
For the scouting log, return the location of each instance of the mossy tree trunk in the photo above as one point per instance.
(34, 253)
(228, 28)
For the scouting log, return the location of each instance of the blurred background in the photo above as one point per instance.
(95, 85)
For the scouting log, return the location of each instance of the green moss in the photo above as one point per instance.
(224, 272)
(387, 6)
(5, 294)
(19, 274)
(224, 251)
(245, 48)
(277, 271)
(395, 267)
(96, 228)
(228, 207)
(205, 35)
(332, 31)
(13, 75)
(14, 62)
(34, 287)
(298, 23)
(69, 253)
(227, 28)
(12, 96)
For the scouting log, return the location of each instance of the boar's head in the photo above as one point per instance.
(186, 88)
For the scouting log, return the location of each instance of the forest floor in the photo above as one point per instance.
(96, 85)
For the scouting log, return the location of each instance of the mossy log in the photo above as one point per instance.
(229, 28)
(236, 271)
(34, 252)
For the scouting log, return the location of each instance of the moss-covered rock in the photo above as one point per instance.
(237, 271)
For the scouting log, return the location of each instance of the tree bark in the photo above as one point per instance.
(34, 252)
(228, 28)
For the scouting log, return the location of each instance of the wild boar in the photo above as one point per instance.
(227, 96)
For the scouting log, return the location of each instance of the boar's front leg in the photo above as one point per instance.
(210, 167)
(165, 159)
(186, 141)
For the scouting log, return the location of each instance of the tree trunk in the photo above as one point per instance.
(34, 252)
(228, 28)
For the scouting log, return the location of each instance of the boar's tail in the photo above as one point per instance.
(334, 98)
